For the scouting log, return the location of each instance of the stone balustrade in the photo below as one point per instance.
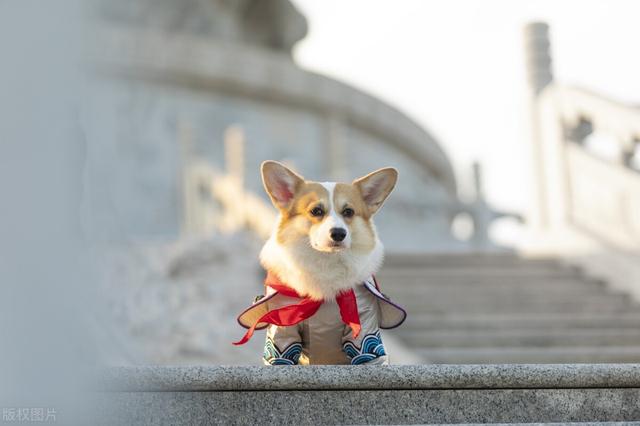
(586, 156)
(372, 395)
(583, 188)
(217, 201)
(599, 114)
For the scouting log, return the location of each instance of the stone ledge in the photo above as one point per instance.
(425, 394)
(373, 407)
(415, 377)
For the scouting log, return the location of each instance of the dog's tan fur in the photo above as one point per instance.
(299, 250)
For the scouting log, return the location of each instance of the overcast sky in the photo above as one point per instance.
(457, 67)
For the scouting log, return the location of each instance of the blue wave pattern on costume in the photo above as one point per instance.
(371, 349)
(275, 356)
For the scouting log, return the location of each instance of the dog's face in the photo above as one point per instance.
(330, 217)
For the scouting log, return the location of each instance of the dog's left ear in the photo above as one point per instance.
(376, 187)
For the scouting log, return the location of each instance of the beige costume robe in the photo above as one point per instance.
(324, 338)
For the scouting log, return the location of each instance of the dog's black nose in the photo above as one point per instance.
(338, 234)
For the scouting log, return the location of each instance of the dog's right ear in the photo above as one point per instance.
(280, 183)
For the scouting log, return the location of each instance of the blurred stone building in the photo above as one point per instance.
(175, 76)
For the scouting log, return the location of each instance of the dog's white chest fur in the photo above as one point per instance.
(318, 275)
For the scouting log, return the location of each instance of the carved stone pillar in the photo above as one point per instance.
(538, 56)
(539, 75)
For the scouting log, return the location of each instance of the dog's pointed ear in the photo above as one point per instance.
(376, 187)
(280, 183)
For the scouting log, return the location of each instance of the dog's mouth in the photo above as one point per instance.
(330, 247)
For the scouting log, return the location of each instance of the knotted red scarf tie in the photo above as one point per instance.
(293, 314)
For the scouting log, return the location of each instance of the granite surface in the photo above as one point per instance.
(558, 424)
(415, 377)
(372, 407)
(425, 394)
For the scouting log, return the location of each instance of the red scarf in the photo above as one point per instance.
(293, 314)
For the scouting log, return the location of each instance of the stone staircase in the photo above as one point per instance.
(514, 318)
(501, 308)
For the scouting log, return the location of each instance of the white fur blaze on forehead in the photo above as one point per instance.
(376, 187)
(320, 236)
(333, 217)
(330, 187)
(280, 183)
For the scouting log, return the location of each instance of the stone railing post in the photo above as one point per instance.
(185, 140)
(538, 56)
(539, 76)
(483, 215)
(234, 153)
(337, 155)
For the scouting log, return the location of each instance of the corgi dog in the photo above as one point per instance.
(325, 241)
(322, 252)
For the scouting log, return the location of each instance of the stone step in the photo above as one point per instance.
(577, 287)
(532, 355)
(464, 306)
(499, 285)
(520, 305)
(576, 283)
(521, 337)
(507, 294)
(493, 320)
(476, 273)
(425, 394)
(466, 260)
(556, 424)
(486, 298)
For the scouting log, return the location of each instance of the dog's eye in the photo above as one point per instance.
(348, 212)
(316, 211)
